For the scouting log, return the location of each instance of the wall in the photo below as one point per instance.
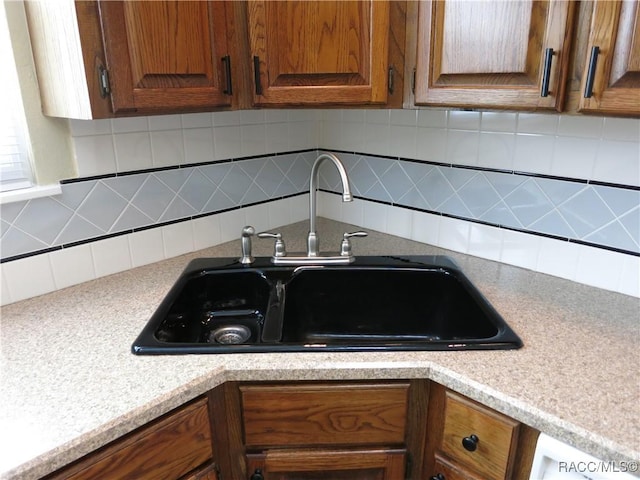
(554, 193)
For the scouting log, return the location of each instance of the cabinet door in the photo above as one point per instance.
(166, 449)
(166, 55)
(310, 53)
(493, 54)
(611, 79)
(323, 464)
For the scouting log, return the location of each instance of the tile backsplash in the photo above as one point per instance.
(515, 184)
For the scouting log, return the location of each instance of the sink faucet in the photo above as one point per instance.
(313, 243)
(313, 257)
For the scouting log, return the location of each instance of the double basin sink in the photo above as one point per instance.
(373, 304)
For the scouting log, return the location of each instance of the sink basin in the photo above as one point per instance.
(375, 303)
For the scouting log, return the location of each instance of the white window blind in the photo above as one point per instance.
(15, 167)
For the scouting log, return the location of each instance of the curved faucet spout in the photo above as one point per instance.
(312, 240)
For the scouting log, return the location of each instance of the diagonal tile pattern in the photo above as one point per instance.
(599, 214)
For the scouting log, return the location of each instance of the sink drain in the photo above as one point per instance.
(231, 334)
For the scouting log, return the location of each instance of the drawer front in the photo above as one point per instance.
(167, 450)
(495, 437)
(327, 414)
(452, 471)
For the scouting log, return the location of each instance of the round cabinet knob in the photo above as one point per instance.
(438, 476)
(257, 475)
(470, 443)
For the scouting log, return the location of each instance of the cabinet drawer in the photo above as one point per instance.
(167, 449)
(451, 471)
(496, 437)
(324, 414)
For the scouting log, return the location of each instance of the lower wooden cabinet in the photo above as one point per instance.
(308, 430)
(175, 446)
(313, 431)
(342, 464)
(468, 441)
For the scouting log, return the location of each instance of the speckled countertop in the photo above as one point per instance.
(69, 383)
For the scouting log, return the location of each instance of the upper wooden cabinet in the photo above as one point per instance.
(493, 54)
(166, 55)
(316, 53)
(99, 59)
(611, 74)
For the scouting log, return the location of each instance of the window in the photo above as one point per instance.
(15, 166)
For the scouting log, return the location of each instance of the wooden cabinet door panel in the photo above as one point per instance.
(166, 54)
(319, 52)
(165, 450)
(492, 53)
(328, 464)
(615, 31)
(305, 415)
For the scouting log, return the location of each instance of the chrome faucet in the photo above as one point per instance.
(312, 257)
(313, 243)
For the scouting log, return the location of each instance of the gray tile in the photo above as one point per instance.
(362, 177)
(269, 178)
(73, 194)
(218, 201)
(585, 212)
(416, 171)
(455, 206)
(216, 172)
(78, 229)
(504, 183)
(613, 235)
(458, 177)
(501, 214)
(252, 167)
(435, 188)
(396, 181)
(175, 178)
(197, 189)
(285, 188)
(16, 242)
(478, 195)
(631, 222)
(619, 200)
(378, 192)
(4, 226)
(413, 199)
(177, 210)
(43, 218)
(126, 185)
(559, 191)
(236, 184)
(300, 172)
(378, 165)
(131, 218)
(102, 207)
(10, 211)
(553, 224)
(528, 203)
(254, 194)
(153, 198)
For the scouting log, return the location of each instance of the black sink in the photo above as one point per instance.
(375, 303)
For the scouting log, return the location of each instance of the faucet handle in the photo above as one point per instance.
(345, 247)
(279, 248)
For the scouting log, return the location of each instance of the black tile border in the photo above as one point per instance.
(140, 229)
(293, 152)
(184, 165)
(493, 170)
(495, 225)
